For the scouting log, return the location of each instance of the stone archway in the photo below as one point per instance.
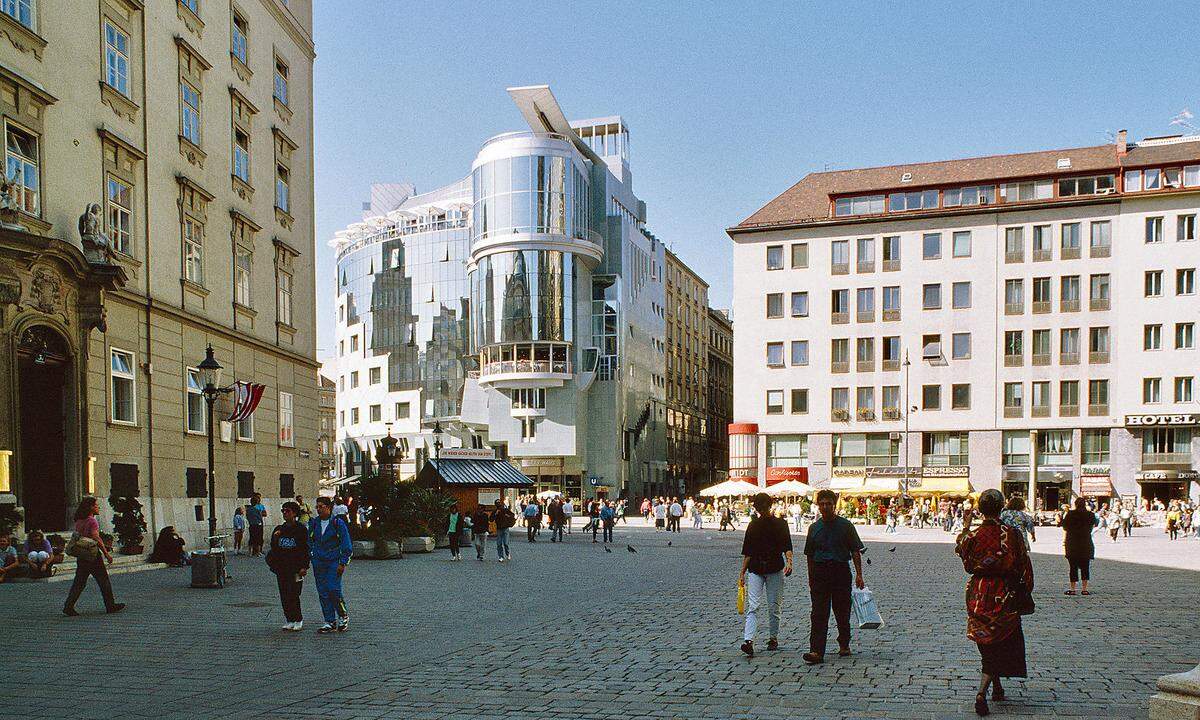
(45, 401)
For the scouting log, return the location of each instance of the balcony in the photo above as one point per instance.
(1042, 256)
(1097, 410)
(1097, 358)
(840, 318)
(866, 266)
(1070, 253)
(1040, 359)
(1068, 411)
(1171, 458)
(1041, 307)
(1068, 359)
(1099, 304)
(525, 365)
(1013, 412)
(865, 316)
(891, 265)
(839, 269)
(842, 366)
(1037, 411)
(866, 414)
(1014, 360)
(865, 366)
(1014, 308)
(1014, 256)
(840, 415)
(891, 366)
(1100, 251)
(1069, 306)
(891, 413)
(891, 315)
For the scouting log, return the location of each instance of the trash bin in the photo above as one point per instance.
(208, 568)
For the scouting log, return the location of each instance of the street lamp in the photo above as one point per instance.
(907, 411)
(210, 378)
(437, 447)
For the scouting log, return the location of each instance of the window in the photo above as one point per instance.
(774, 402)
(1095, 447)
(281, 188)
(891, 299)
(1041, 242)
(242, 264)
(864, 205)
(374, 375)
(866, 254)
(1154, 283)
(865, 400)
(1099, 184)
(237, 44)
(1099, 291)
(775, 305)
(281, 82)
(285, 299)
(287, 430)
(787, 450)
(119, 200)
(1014, 396)
(974, 195)
(1014, 244)
(891, 251)
(931, 297)
(866, 302)
(245, 429)
(1152, 337)
(931, 347)
(839, 350)
(1054, 447)
(960, 344)
(891, 400)
(1040, 397)
(1069, 292)
(241, 156)
(1014, 296)
(1040, 339)
(403, 410)
(944, 448)
(354, 343)
(353, 416)
(1032, 190)
(840, 399)
(1185, 336)
(1070, 239)
(353, 379)
(799, 401)
(1015, 450)
(189, 111)
(1154, 230)
(1068, 341)
(194, 6)
(931, 246)
(1185, 281)
(961, 244)
(1185, 228)
(961, 295)
(116, 58)
(891, 350)
(799, 352)
(1183, 389)
(931, 397)
(122, 388)
(195, 402)
(1152, 390)
(1101, 239)
(1151, 179)
(775, 354)
(193, 251)
(839, 254)
(1191, 176)
(800, 255)
(1014, 343)
(775, 257)
(960, 396)
(196, 482)
(1170, 442)
(21, 167)
(799, 304)
(375, 413)
(865, 352)
(840, 302)
(865, 450)
(1068, 396)
(1098, 393)
(1098, 340)
(19, 10)
(918, 200)
(245, 478)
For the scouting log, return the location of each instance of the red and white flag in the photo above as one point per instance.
(246, 396)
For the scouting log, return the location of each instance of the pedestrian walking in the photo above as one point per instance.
(608, 519)
(1077, 527)
(454, 526)
(330, 548)
(726, 519)
(766, 561)
(1126, 520)
(239, 529)
(305, 511)
(676, 512)
(556, 520)
(997, 593)
(90, 554)
(660, 515)
(621, 506)
(1015, 517)
(697, 517)
(831, 545)
(531, 513)
(289, 558)
(1173, 520)
(479, 530)
(256, 516)
(504, 519)
(568, 512)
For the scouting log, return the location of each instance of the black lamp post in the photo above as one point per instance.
(210, 377)
(437, 447)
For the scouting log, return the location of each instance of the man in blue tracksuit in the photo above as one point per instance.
(329, 544)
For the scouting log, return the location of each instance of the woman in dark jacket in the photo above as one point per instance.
(168, 548)
(1077, 527)
(288, 559)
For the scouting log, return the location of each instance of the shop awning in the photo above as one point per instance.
(875, 486)
(940, 486)
(464, 473)
(847, 483)
(1095, 486)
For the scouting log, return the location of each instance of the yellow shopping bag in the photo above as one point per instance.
(741, 599)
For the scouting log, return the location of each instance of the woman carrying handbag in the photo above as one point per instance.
(90, 555)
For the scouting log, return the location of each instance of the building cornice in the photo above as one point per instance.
(298, 33)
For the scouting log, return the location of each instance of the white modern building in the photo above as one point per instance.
(1007, 311)
(521, 308)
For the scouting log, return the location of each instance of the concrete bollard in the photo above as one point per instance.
(1178, 697)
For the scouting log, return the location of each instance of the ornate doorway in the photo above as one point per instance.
(43, 377)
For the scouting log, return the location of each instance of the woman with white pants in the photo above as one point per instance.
(766, 561)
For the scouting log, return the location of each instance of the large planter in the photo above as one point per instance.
(418, 545)
(132, 549)
(386, 549)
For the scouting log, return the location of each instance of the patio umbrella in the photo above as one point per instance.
(788, 488)
(731, 488)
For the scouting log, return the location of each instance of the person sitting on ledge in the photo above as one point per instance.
(40, 557)
(168, 548)
(8, 558)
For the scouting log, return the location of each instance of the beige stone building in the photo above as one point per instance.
(688, 462)
(720, 393)
(189, 124)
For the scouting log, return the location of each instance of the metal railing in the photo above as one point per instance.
(1040, 359)
(838, 318)
(866, 267)
(1042, 307)
(839, 367)
(1014, 360)
(1070, 253)
(1099, 304)
(839, 269)
(1038, 411)
(1068, 411)
(1098, 410)
(890, 365)
(1166, 458)
(1100, 251)
(1014, 256)
(1097, 358)
(1068, 306)
(1042, 256)
(542, 367)
(1068, 358)
(1013, 412)
(891, 265)
(865, 316)
(865, 366)
(1014, 308)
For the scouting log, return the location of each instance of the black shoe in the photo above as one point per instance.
(772, 644)
(70, 612)
(115, 608)
(981, 706)
(813, 658)
(748, 648)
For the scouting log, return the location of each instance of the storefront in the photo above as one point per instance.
(1053, 485)
(1167, 470)
(1095, 481)
(473, 479)
(1166, 485)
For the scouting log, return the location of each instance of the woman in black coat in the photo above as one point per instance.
(289, 560)
(1077, 527)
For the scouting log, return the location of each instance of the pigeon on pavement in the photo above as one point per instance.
(607, 550)
(630, 548)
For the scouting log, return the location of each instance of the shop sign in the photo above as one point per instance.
(1094, 471)
(742, 472)
(946, 471)
(474, 454)
(780, 474)
(892, 471)
(848, 472)
(488, 497)
(1152, 420)
(1167, 475)
(1095, 486)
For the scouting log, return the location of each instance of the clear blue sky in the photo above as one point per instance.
(729, 103)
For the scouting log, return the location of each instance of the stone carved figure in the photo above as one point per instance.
(45, 290)
(96, 246)
(10, 207)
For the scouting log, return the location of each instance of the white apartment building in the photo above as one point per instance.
(1015, 310)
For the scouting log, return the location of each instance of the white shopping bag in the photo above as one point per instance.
(862, 606)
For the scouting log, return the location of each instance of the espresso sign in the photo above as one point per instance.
(1153, 420)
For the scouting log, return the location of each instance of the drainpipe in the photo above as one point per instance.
(152, 519)
(1033, 436)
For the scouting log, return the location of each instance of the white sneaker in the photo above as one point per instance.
(501, 559)
(298, 626)
(288, 626)
(327, 628)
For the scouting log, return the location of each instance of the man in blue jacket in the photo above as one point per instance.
(329, 544)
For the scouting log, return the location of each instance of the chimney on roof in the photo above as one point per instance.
(1122, 143)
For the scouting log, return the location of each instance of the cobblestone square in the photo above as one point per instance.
(572, 631)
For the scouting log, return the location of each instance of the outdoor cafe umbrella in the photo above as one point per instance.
(788, 488)
(731, 488)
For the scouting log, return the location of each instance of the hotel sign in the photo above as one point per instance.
(1168, 420)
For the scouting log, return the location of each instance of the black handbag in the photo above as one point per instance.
(1022, 598)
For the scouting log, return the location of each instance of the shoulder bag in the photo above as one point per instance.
(82, 548)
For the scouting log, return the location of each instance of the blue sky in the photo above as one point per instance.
(729, 104)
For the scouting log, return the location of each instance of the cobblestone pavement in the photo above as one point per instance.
(574, 632)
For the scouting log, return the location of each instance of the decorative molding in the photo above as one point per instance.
(190, 184)
(243, 189)
(240, 68)
(283, 111)
(285, 247)
(283, 137)
(234, 91)
(29, 85)
(21, 37)
(116, 139)
(284, 218)
(187, 47)
(122, 105)
(238, 216)
(299, 34)
(190, 19)
(191, 152)
(194, 288)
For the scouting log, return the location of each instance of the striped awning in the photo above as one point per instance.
(462, 472)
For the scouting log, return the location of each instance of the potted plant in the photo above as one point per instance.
(129, 524)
